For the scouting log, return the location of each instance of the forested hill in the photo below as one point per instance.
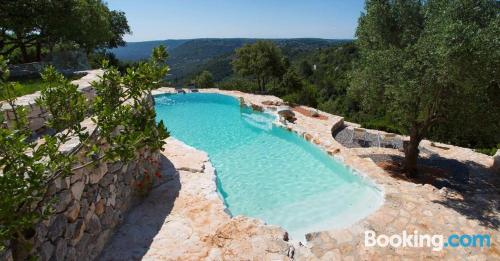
(188, 57)
(135, 51)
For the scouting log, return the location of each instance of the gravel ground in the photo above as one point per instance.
(459, 171)
(459, 179)
(344, 136)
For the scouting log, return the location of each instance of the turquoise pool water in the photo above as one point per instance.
(267, 172)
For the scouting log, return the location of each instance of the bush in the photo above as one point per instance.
(29, 166)
(239, 84)
(292, 99)
(489, 151)
(204, 80)
(383, 124)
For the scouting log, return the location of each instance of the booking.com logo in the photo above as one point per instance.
(436, 242)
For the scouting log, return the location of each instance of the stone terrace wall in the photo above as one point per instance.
(88, 205)
(37, 116)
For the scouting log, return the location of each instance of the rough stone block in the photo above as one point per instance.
(36, 123)
(94, 225)
(98, 173)
(73, 211)
(77, 189)
(71, 254)
(61, 249)
(57, 228)
(337, 125)
(64, 198)
(46, 251)
(496, 161)
(79, 231)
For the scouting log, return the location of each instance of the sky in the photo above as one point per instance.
(187, 19)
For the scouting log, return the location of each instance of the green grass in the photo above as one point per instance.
(28, 86)
(32, 85)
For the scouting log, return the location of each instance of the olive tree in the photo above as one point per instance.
(204, 80)
(262, 60)
(422, 61)
(41, 24)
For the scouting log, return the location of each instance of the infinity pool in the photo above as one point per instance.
(265, 171)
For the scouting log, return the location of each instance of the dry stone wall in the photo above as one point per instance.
(88, 205)
(90, 202)
(38, 116)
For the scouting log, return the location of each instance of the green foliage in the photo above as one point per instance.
(27, 86)
(383, 124)
(62, 100)
(291, 82)
(204, 80)
(424, 61)
(124, 118)
(307, 95)
(306, 69)
(489, 151)
(28, 27)
(96, 59)
(262, 61)
(237, 83)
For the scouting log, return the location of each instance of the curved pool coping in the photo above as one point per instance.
(406, 206)
(302, 134)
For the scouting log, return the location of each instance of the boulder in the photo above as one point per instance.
(272, 103)
(256, 107)
(242, 102)
(286, 113)
(338, 125)
(496, 161)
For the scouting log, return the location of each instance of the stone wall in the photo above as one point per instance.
(88, 205)
(26, 69)
(65, 61)
(37, 116)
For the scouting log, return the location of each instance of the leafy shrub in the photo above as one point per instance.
(124, 118)
(489, 151)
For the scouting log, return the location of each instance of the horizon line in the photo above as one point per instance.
(243, 38)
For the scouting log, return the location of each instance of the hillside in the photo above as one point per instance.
(188, 57)
(135, 51)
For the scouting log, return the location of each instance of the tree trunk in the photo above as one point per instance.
(38, 51)
(411, 155)
(24, 52)
(259, 83)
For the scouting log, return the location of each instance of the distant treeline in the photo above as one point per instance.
(313, 72)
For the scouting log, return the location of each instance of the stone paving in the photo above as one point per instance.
(408, 207)
(184, 219)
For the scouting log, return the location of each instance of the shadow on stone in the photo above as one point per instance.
(345, 137)
(473, 189)
(142, 223)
